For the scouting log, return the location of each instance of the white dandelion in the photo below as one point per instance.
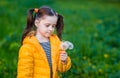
(66, 45)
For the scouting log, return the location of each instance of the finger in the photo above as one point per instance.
(63, 54)
(63, 57)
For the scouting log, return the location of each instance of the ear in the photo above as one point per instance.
(36, 22)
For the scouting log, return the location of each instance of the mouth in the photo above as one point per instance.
(49, 33)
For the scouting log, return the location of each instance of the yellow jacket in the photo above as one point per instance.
(32, 61)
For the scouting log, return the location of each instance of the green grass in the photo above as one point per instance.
(93, 27)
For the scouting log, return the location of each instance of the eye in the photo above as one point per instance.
(53, 26)
(47, 25)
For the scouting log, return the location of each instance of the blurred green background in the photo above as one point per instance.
(92, 25)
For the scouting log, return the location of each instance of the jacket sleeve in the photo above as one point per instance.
(25, 62)
(64, 67)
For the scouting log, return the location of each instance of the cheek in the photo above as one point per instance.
(41, 28)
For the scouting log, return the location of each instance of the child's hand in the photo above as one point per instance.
(63, 56)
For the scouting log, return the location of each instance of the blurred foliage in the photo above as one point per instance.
(92, 25)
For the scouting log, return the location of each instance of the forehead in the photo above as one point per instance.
(49, 19)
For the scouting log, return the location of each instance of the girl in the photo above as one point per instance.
(40, 55)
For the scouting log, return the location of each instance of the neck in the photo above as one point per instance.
(41, 38)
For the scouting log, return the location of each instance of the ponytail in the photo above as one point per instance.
(30, 24)
(59, 26)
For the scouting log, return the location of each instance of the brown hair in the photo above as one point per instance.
(38, 13)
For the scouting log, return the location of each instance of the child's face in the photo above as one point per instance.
(46, 25)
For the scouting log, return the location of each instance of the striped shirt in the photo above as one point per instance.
(47, 49)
